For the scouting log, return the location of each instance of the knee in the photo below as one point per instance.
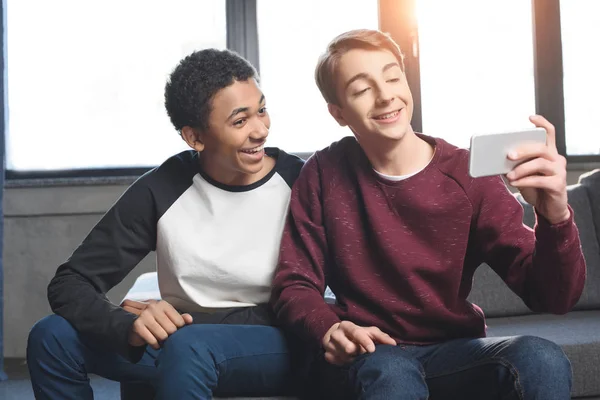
(48, 335)
(197, 344)
(389, 362)
(538, 356)
(389, 370)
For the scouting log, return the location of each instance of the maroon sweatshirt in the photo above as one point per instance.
(401, 255)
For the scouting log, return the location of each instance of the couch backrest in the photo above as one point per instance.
(591, 181)
(497, 300)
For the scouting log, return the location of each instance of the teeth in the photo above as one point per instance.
(254, 150)
(388, 115)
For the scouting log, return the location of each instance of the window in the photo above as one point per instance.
(292, 36)
(476, 67)
(86, 79)
(580, 29)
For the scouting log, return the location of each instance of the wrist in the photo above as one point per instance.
(559, 217)
(329, 332)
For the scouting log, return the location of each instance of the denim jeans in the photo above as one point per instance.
(194, 363)
(521, 367)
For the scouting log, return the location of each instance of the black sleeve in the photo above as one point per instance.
(289, 166)
(122, 238)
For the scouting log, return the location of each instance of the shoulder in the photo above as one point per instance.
(335, 156)
(288, 166)
(346, 147)
(162, 185)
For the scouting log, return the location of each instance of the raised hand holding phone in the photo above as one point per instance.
(541, 175)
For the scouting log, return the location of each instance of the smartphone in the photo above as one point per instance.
(489, 152)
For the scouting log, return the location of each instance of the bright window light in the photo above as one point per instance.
(292, 36)
(86, 78)
(580, 31)
(477, 71)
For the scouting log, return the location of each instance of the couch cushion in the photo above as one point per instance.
(493, 296)
(497, 300)
(578, 333)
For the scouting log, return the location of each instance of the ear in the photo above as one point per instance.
(336, 112)
(192, 137)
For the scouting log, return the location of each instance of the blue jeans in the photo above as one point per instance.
(194, 363)
(521, 367)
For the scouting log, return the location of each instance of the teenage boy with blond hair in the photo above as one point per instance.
(393, 223)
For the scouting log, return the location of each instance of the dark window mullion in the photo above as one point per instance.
(242, 29)
(548, 66)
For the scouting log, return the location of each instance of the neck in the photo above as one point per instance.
(230, 177)
(399, 157)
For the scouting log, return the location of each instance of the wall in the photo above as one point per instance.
(43, 225)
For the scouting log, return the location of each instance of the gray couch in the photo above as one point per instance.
(578, 332)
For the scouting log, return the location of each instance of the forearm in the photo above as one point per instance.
(304, 311)
(90, 312)
(558, 268)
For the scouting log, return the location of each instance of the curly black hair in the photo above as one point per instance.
(196, 79)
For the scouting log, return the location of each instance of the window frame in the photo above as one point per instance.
(398, 18)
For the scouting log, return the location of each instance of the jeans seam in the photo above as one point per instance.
(505, 363)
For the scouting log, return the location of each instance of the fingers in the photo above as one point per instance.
(361, 337)
(160, 334)
(339, 349)
(530, 151)
(549, 183)
(134, 304)
(542, 122)
(167, 324)
(345, 340)
(140, 329)
(136, 307)
(173, 316)
(342, 343)
(187, 318)
(158, 321)
(327, 336)
(135, 311)
(380, 337)
(540, 173)
(537, 166)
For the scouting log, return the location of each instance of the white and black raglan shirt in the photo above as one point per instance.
(216, 246)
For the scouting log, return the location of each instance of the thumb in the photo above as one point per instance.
(187, 318)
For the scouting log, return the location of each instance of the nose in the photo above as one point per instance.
(384, 95)
(260, 130)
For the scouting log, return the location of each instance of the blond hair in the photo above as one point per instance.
(357, 39)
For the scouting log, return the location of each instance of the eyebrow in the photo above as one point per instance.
(243, 109)
(363, 75)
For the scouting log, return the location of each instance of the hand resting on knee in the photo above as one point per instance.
(345, 340)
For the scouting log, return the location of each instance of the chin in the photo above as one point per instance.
(395, 134)
(252, 169)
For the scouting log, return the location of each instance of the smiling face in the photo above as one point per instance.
(374, 99)
(232, 147)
